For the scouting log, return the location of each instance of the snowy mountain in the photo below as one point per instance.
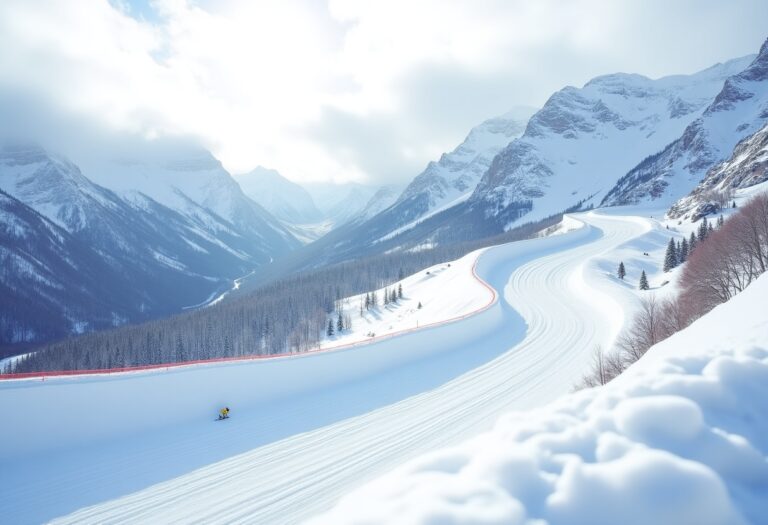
(151, 260)
(340, 202)
(385, 197)
(579, 144)
(43, 292)
(284, 199)
(570, 155)
(191, 182)
(739, 110)
(457, 173)
(746, 167)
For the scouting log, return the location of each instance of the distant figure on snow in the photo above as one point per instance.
(224, 413)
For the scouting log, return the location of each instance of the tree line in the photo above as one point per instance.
(285, 316)
(721, 262)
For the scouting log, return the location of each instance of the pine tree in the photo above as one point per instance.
(394, 295)
(644, 281)
(692, 243)
(733, 205)
(720, 221)
(622, 271)
(670, 259)
(367, 302)
(703, 229)
(386, 296)
(683, 251)
(419, 307)
(340, 324)
(400, 291)
(374, 300)
(329, 332)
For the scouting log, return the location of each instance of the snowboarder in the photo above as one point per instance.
(224, 413)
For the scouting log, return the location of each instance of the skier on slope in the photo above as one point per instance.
(224, 413)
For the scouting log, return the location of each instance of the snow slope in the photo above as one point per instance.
(309, 428)
(284, 199)
(425, 287)
(680, 438)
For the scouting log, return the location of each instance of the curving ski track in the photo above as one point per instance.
(296, 458)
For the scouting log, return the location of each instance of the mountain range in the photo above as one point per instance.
(568, 155)
(169, 234)
(737, 111)
(145, 231)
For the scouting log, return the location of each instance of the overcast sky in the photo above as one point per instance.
(348, 89)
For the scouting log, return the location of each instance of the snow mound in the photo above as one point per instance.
(680, 438)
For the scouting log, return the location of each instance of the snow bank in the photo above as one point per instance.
(680, 438)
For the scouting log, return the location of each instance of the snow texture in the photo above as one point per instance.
(680, 438)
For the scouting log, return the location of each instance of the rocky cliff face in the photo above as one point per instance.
(738, 110)
(583, 140)
(457, 173)
(746, 167)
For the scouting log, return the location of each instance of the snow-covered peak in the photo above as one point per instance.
(578, 145)
(340, 203)
(746, 167)
(284, 199)
(168, 176)
(381, 200)
(458, 172)
(738, 110)
(50, 184)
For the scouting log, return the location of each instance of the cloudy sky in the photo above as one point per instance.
(345, 89)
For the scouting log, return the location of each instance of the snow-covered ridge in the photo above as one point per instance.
(284, 199)
(457, 173)
(678, 438)
(739, 109)
(583, 140)
(746, 167)
(173, 231)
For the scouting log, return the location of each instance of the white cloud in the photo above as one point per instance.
(349, 90)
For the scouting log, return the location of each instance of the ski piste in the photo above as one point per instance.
(448, 382)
